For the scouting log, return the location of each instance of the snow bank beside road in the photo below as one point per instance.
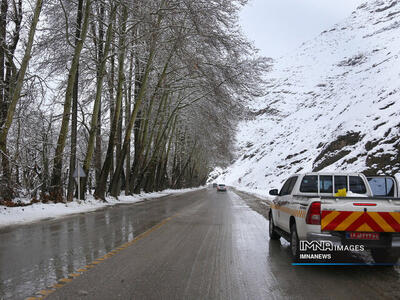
(39, 211)
(262, 194)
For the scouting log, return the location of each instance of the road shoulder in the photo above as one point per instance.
(258, 204)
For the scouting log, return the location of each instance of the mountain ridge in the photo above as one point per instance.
(332, 105)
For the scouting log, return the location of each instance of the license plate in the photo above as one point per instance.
(362, 236)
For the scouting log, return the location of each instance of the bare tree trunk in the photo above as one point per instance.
(95, 125)
(104, 48)
(111, 81)
(17, 149)
(3, 47)
(45, 162)
(137, 155)
(56, 179)
(6, 178)
(74, 121)
(97, 151)
(128, 105)
(137, 159)
(11, 70)
(118, 142)
(162, 174)
(101, 185)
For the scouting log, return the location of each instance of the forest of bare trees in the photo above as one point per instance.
(142, 94)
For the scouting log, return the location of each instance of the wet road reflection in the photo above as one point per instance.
(215, 248)
(36, 256)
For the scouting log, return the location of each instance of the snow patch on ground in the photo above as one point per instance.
(39, 211)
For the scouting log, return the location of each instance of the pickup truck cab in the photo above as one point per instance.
(341, 208)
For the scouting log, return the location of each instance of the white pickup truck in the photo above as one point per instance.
(340, 209)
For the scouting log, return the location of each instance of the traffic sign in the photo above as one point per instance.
(79, 172)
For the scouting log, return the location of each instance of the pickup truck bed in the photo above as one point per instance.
(373, 222)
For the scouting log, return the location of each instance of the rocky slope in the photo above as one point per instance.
(333, 105)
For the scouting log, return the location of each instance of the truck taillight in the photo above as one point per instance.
(314, 214)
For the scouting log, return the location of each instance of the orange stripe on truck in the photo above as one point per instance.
(360, 221)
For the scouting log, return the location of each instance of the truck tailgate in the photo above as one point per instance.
(362, 215)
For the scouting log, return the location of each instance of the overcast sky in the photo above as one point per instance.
(280, 26)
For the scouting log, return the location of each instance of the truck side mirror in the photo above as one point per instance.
(273, 192)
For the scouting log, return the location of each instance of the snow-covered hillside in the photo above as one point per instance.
(333, 105)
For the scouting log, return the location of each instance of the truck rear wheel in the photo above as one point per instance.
(273, 235)
(294, 242)
(384, 256)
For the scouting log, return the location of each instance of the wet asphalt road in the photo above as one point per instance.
(209, 245)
